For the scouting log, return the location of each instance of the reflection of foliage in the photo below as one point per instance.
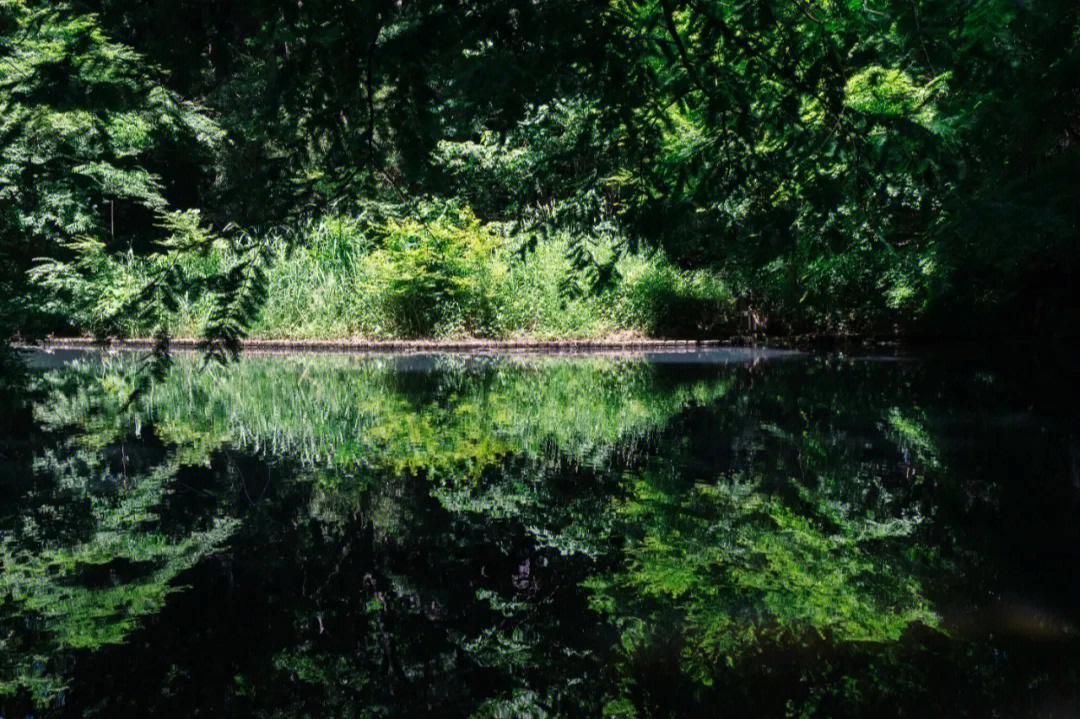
(335, 416)
(478, 537)
(912, 437)
(742, 568)
(803, 534)
(84, 558)
(379, 413)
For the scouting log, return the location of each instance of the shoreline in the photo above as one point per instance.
(364, 345)
(617, 343)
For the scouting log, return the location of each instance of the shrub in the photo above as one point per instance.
(661, 299)
(439, 276)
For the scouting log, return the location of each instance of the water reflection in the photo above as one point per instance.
(701, 534)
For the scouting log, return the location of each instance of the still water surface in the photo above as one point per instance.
(722, 533)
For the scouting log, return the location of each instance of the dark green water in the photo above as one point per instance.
(726, 533)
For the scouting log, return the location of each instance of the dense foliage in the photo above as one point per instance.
(877, 165)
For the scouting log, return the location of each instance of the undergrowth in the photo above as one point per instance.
(444, 274)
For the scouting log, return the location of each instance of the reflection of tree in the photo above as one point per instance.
(84, 558)
(782, 518)
(719, 570)
(496, 539)
(731, 566)
(93, 545)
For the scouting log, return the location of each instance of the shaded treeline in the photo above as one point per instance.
(881, 166)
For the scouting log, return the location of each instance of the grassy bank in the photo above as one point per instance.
(443, 276)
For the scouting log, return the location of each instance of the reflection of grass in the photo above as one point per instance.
(322, 411)
(339, 411)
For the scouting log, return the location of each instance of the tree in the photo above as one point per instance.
(85, 129)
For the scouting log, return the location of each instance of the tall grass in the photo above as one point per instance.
(453, 276)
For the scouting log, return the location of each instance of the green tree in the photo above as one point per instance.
(85, 130)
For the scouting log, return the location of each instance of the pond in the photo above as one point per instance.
(710, 533)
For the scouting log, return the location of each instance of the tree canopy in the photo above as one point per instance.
(864, 165)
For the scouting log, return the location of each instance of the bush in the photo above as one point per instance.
(439, 277)
(661, 299)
